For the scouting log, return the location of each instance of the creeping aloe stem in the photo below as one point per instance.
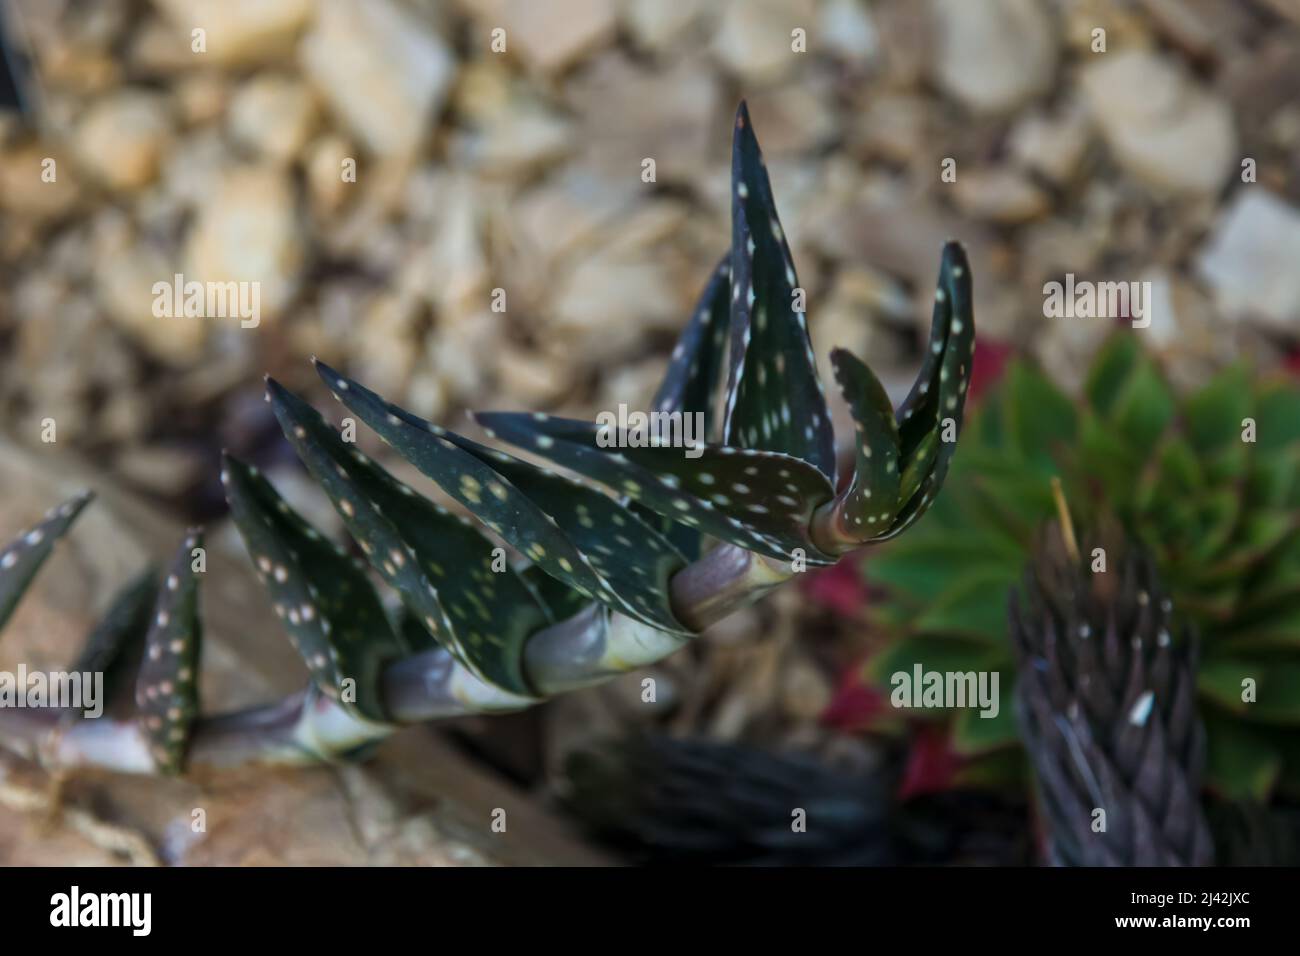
(307, 727)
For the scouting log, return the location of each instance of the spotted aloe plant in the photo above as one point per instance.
(619, 561)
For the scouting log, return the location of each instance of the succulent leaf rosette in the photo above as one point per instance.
(1207, 483)
(613, 563)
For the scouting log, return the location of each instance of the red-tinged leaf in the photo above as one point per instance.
(857, 703)
(987, 366)
(932, 763)
(839, 588)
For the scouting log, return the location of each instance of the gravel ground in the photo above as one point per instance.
(500, 203)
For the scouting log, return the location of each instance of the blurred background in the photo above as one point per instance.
(522, 171)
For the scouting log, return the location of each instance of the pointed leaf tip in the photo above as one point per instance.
(930, 418)
(866, 508)
(570, 530)
(166, 689)
(333, 617)
(774, 398)
(118, 637)
(448, 575)
(22, 557)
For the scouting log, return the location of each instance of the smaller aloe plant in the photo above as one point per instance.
(1107, 703)
(1207, 484)
(620, 566)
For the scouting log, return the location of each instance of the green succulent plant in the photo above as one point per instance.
(1207, 483)
(610, 572)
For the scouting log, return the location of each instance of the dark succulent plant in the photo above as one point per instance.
(661, 800)
(618, 569)
(1105, 704)
(1106, 698)
(1207, 484)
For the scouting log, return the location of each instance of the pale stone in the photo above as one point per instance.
(755, 38)
(897, 127)
(657, 26)
(598, 288)
(194, 165)
(120, 139)
(1052, 145)
(381, 69)
(630, 114)
(566, 212)
(531, 381)
(126, 269)
(843, 320)
(845, 26)
(26, 191)
(999, 195)
(383, 351)
(472, 333)
(994, 55)
(516, 140)
(793, 119)
(1169, 131)
(247, 231)
(237, 32)
(325, 167)
(454, 273)
(201, 97)
(1249, 260)
(273, 116)
(547, 37)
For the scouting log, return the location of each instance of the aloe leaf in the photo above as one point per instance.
(692, 382)
(1145, 407)
(1039, 416)
(759, 500)
(557, 597)
(166, 688)
(444, 569)
(977, 730)
(1277, 417)
(934, 653)
(589, 557)
(695, 370)
(1241, 762)
(633, 558)
(930, 418)
(922, 566)
(1220, 678)
(972, 605)
(332, 614)
(118, 639)
(1212, 417)
(1110, 369)
(870, 502)
(22, 557)
(774, 399)
(1274, 479)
